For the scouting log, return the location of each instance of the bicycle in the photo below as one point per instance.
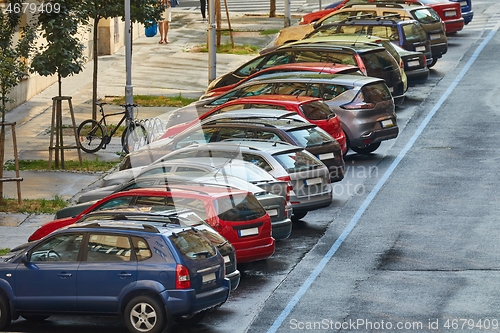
(94, 135)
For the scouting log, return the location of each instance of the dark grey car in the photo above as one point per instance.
(364, 105)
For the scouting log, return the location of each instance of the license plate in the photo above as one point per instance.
(420, 48)
(313, 181)
(413, 63)
(326, 156)
(387, 123)
(450, 13)
(248, 232)
(226, 259)
(208, 278)
(435, 36)
(272, 212)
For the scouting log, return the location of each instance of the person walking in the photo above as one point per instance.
(203, 7)
(164, 24)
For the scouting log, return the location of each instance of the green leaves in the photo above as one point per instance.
(63, 53)
(15, 49)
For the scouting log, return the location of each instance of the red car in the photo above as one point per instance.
(316, 67)
(312, 109)
(235, 214)
(449, 11)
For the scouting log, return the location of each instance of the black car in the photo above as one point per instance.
(372, 60)
(408, 34)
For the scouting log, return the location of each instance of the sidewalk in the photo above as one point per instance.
(157, 69)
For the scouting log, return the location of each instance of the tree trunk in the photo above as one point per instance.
(272, 8)
(2, 156)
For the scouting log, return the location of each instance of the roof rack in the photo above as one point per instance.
(378, 4)
(145, 227)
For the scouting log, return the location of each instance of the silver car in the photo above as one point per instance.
(308, 176)
(364, 105)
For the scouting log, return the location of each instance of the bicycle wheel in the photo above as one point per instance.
(91, 136)
(134, 137)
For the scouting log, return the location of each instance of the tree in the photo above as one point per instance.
(15, 50)
(141, 11)
(63, 52)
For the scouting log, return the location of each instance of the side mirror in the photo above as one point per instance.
(25, 258)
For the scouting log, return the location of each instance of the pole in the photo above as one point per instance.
(320, 5)
(129, 89)
(212, 48)
(288, 19)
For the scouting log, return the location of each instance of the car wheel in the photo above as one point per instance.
(434, 61)
(298, 216)
(191, 319)
(366, 149)
(5, 317)
(35, 318)
(144, 314)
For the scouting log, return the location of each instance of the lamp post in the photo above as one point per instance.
(129, 89)
(211, 42)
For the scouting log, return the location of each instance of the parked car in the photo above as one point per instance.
(272, 194)
(277, 125)
(450, 13)
(125, 258)
(316, 67)
(271, 125)
(311, 187)
(236, 214)
(466, 9)
(150, 209)
(312, 109)
(364, 105)
(426, 16)
(413, 64)
(408, 34)
(371, 60)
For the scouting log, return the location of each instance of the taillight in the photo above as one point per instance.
(182, 279)
(358, 103)
(288, 186)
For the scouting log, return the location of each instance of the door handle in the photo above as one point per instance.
(124, 275)
(64, 275)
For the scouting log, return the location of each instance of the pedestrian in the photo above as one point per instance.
(164, 24)
(203, 6)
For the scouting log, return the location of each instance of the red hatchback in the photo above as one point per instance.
(235, 214)
(312, 109)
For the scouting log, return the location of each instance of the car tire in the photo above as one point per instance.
(5, 315)
(366, 149)
(298, 216)
(434, 61)
(35, 318)
(145, 314)
(191, 319)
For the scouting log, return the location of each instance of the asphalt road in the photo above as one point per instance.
(411, 241)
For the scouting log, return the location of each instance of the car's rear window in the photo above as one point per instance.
(376, 92)
(317, 111)
(310, 137)
(239, 208)
(414, 32)
(298, 161)
(379, 60)
(426, 16)
(192, 246)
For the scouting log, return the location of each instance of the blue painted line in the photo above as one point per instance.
(308, 282)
